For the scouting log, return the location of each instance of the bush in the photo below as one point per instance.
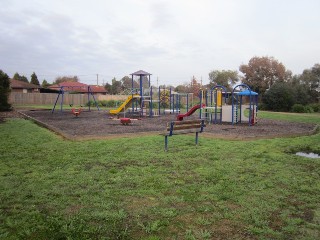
(315, 107)
(279, 97)
(262, 106)
(91, 103)
(103, 103)
(4, 91)
(298, 108)
(308, 109)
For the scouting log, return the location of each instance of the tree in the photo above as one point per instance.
(311, 78)
(300, 90)
(195, 86)
(279, 98)
(34, 79)
(22, 78)
(145, 82)
(115, 87)
(45, 84)
(184, 88)
(66, 79)
(164, 97)
(226, 78)
(4, 91)
(108, 87)
(262, 72)
(126, 83)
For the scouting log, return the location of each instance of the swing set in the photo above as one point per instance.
(74, 111)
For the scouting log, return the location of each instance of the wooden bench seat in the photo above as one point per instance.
(183, 127)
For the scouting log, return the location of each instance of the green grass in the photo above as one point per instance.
(294, 117)
(131, 189)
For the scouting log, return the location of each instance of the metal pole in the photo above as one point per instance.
(187, 102)
(159, 101)
(89, 99)
(132, 102)
(201, 93)
(151, 102)
(197, 135)
(170, 100)
(61, 103)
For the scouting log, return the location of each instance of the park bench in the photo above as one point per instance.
(183, 127)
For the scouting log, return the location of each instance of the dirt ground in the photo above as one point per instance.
(98, 124)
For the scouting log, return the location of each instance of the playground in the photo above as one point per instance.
(147, 110)
(101, 124)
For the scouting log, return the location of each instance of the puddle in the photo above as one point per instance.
(308, 155)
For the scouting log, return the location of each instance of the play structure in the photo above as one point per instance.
(212, 102)
(243, 107)
(74, 88)
(148, 101)
(244, 100)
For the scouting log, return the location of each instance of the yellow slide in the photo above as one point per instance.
(122, 106)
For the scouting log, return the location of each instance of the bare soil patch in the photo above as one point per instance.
(98, 125)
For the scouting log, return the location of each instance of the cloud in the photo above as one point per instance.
(171, 39)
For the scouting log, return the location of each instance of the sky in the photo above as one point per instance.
(173, 40)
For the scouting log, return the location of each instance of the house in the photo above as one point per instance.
(23, 87)
(78, 87)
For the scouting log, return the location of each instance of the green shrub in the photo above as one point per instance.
(315, 107)
(298, 108)
(114, 103)
(4, 91)
(279, 97)
(103, 103)
(262, 106)
(155, 105)
(91, 103)
(308, 109)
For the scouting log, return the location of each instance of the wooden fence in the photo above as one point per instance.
(17, 98)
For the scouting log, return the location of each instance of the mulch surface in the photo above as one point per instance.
(9, 114)
(99, 125)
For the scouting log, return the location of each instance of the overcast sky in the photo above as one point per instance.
(171, 39)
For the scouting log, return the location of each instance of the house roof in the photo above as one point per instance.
(97, 89)
(16, 84)
(78, 87)
(69, 85)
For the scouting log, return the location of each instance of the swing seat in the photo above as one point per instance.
(76, 111)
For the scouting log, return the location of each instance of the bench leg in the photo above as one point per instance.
(166, 143)
(197, 135)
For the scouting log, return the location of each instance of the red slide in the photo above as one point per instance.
(190, 112)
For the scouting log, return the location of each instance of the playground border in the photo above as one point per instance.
(153, 133)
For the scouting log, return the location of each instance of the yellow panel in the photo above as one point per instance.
(219, 98)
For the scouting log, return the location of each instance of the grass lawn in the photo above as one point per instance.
(295, 117)
(131, 189)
